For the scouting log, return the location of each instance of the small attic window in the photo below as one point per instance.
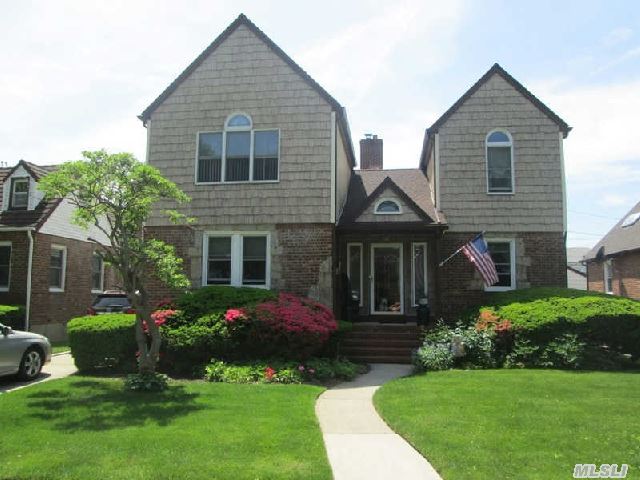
(631, 220)
(19, 194)
(239, 121)
(387, 207)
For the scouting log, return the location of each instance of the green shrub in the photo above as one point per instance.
(103, 342)
(565, 351)
(146, 382)
(541, 315)
(278, 371)
(436, 352)
(434, 357)
(12, 316)
(218, 298)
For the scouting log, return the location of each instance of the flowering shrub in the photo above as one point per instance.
(291, 327)
(233, 315)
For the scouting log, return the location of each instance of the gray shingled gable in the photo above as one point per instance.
(619, 239)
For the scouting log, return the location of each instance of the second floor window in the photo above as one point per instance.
(19, 193)
(499, 162)
(238, 153)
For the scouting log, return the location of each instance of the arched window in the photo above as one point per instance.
(387, 207)
(238, 121)
(499, 154)
(238, 153)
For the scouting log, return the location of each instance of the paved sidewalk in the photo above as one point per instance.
(61, 366)
(359, 443)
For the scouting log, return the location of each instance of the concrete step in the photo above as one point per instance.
(380, 342)
(387, 350)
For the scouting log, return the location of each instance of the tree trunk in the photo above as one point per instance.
(149, 353)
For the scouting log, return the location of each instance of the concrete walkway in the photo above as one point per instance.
(61, 366)
(359, 443)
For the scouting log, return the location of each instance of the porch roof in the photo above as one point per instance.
(410, 184)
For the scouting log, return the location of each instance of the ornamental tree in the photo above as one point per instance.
(115, 193)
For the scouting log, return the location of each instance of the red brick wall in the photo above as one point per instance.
(182, 238)
(540, 261)
(305, 259)
(17, 293)
(626, 275)
(50, 311)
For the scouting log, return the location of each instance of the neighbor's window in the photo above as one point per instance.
(237, 259)
(57, 263)
(19, 193)
(499, 162)
(354, 268)
(387, 207)
(238, 153)
(5, 266)
(608, 276)
(97, 273)
(503, 255)
(419, 272)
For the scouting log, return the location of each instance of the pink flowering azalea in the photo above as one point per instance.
(234, 314)
(301, 368)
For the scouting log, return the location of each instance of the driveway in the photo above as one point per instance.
(61, 366)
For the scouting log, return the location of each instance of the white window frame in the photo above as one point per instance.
(512, 256)
(223, 170)
(414, 300)
(12, 185)
(360, 246)
(382, 200)
(486, 159)
(64, 269)
(101, 289)
(607, 270)
(7, 244)
(236, 256)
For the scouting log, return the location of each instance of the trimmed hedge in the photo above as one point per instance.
(103, 342)
(12, 316)
(218, 298)
(542, 314)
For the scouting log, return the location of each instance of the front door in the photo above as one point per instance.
(386, 279)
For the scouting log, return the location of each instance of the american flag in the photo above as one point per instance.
(477, 252)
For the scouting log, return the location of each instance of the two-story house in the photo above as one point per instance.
(47, 264)
(266, 155)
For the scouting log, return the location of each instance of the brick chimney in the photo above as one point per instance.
(371, 152)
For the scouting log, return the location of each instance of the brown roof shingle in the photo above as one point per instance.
(366, 185)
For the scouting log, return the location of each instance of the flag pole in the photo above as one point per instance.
(459, 250)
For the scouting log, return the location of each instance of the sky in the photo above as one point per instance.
(74, 75)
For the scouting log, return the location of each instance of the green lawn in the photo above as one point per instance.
(58, 347)
(89, 428)
(489, 424)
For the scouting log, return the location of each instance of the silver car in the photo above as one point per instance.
(23, 353)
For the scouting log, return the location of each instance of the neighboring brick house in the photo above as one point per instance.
(266, 156)
(613, 265)
(576, 268)
(46, 263)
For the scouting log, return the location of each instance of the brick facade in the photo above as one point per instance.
(306, 259)
(50, 311)
(540, 262)
(626, 275)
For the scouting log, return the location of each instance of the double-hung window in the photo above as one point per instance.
(19, 199)
(418, 272)
(57, 267)
(608, 276)
(354, 268)
(499, 151)
(238, 153)
(504, 257)
(237, 259)
(5, 266)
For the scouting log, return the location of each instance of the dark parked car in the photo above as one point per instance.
(110, 302)
(22, 353)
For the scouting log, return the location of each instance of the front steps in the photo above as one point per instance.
(380, 343)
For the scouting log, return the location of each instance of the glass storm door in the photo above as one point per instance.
(386, 281)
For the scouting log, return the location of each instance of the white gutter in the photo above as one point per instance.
(27, 309)
(333, 168)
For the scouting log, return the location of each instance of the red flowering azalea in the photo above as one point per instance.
(159, 317)
(269, 373)
(233, 315)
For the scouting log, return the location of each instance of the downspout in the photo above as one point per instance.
(27, 309)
